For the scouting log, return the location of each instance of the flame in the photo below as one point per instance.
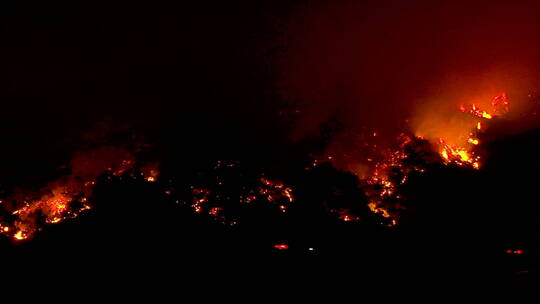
(459, 141)
(150, 172)
(462, 156)
(383, 185)
(200, 197)
(274, 190)
(281, 246)
(212, 198)
(20, 235)
(460, 153)
(455, 137)
(473, 141)
(68, 196)
(377, 209)
(382, 181)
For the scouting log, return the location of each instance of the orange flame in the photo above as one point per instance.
(455, 137)
(68, 196)
(459, 148)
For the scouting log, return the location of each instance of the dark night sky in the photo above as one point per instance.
(226, 66)
(197, 73)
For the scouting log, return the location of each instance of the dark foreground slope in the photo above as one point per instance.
(463, 228)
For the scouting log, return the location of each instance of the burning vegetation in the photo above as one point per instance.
(26, 212)
(464, 153)
(456, 141)
(226, 189)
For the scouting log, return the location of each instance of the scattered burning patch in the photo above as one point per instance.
(514, 252)
(223, 191)
(226, 189)
(25, 213)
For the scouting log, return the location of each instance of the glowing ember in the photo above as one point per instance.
(200, 196)
(275, 190)
(220, 192)
(347, 218)
(281, 246)
(516, 252)
(150, 172)
(474, 110)
(215, 211)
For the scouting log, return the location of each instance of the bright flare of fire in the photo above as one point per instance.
(456, 144)
(464, 154)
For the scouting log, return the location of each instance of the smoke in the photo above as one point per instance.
(377, 66)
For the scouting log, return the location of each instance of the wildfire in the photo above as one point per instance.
(382, 185)
(281, 246)
(220, 193)
(275, 190)
(69, 196)
(474, 110)
(376, 209)
(389, 169)
(53, 208)
(464, 154)
(20, 235)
